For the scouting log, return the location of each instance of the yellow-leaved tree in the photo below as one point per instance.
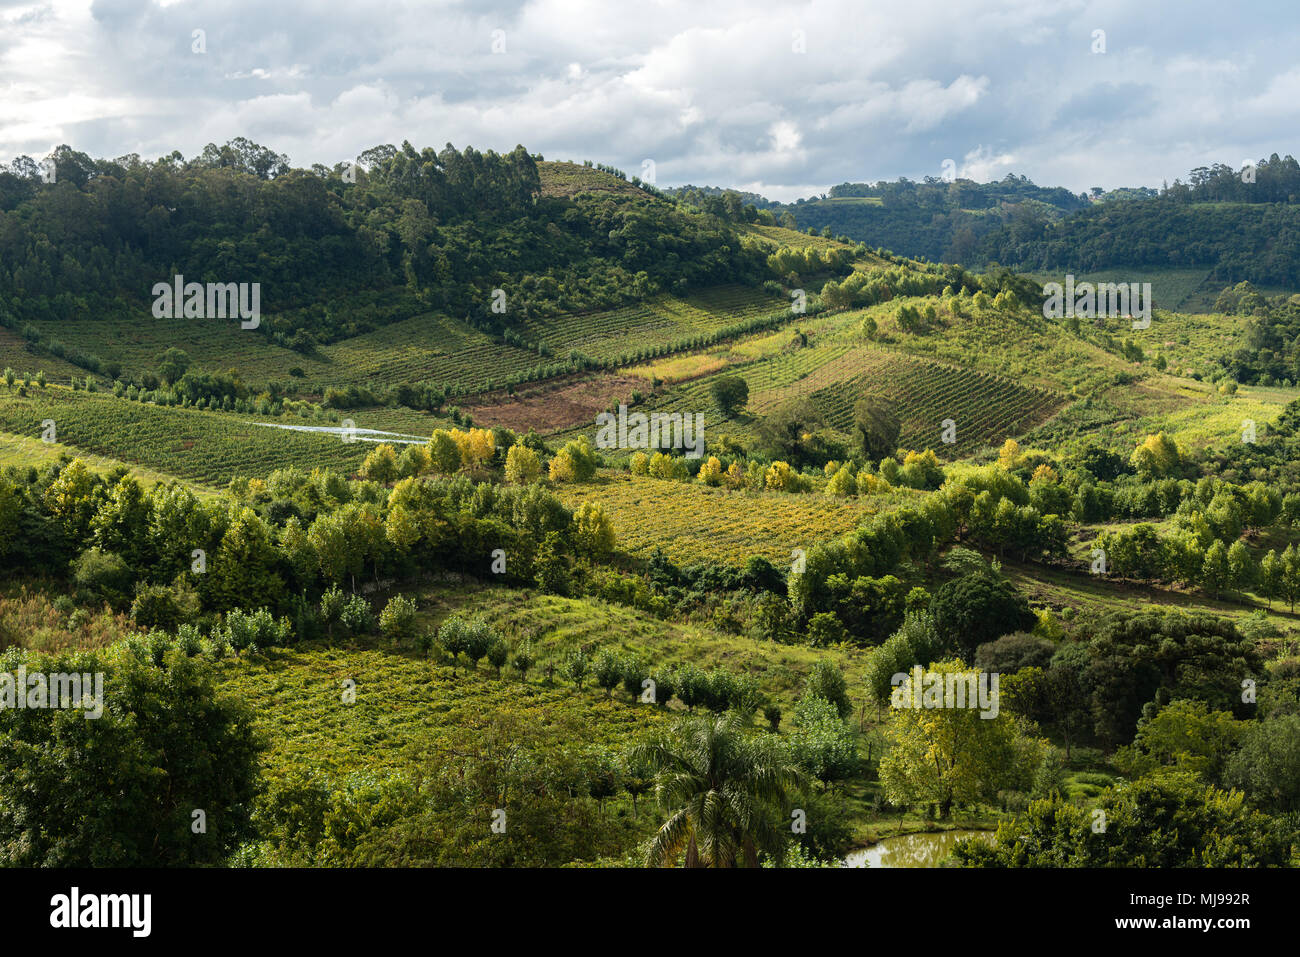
(593, 532)
(946, 755)
(523, 465)
(1157, 456)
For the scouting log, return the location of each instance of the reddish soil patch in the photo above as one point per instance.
(556, 405)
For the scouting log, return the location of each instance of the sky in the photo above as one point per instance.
(783, 99)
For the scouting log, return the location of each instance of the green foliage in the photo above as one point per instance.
(976, 608)
(1166, 820)
(397, 620)
(161, 723)
(723, 790)
(730, 393)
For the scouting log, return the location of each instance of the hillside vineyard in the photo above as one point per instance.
(614, 500)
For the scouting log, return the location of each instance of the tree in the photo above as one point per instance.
(480, 638)
(1185, 735)
(637, 780)
(723, 791)
(944, 755)
(380, 465)
(730, 393)
(523, 465)
(498, 654)
(826, 681)
(244, 572)
(1014, 652)
(102, 576)
(1270, 576)
(1215, 573)
(172, 365)
(166, 744)
(978, 607)
(576, 667)
(444, 454)
(875, 427)
(1291, 575)
(453, 636)
(1157, 456)
(522, 660)
(1136, 658)
(782, 431)
(1267, 764)
(1169, 819)
(1241, 568)
(576, 462)
(822, 742)
(397, 620)
(593, 531)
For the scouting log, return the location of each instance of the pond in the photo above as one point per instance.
(911, 850)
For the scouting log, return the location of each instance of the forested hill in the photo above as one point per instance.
(1235, 225)
(340, 250)
(934, 218)
(1220, 221)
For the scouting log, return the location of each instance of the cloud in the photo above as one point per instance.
(782, 94)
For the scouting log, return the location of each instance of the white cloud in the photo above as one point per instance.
(713, 92)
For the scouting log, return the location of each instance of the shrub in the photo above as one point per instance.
(102, 576)
(397, 620)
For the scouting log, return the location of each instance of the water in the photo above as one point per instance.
(911, 850)
(361, 435)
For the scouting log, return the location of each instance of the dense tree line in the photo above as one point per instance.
(1239, 230)
(934, 218)
(341, 250)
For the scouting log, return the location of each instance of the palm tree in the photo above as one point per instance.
(720, 787)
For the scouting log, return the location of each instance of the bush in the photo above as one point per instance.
(102, 576)
(254, 630)
(356, 615)
(397, 620)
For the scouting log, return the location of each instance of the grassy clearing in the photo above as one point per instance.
(693, 523)
(1171, 289)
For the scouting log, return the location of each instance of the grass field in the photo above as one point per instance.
(565, 179)
(208, 448)
(664, 320)
(400, 696)
(693, 523)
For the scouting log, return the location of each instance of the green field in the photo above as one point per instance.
(692, 523)
(612, 333)
(208, 448)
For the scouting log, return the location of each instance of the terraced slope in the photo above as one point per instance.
(204, 447)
